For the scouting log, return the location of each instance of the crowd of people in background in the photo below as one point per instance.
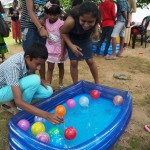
(40, 25)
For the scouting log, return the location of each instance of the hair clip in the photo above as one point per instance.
(48, 5)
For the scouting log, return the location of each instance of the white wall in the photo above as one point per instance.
(140, 14)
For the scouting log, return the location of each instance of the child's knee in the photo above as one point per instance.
(74, 64)
(90, 61)
(48, 92)
(34, 80)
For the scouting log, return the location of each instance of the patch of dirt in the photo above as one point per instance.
(136, 63)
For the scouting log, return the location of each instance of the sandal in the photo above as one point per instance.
(61, 86)
(147, 128)
(12, 110)
(110, 57)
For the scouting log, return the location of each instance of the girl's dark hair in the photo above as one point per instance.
(76, 2)
(89, 8)
(37, 50)
(54, 9)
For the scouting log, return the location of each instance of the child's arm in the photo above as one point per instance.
(53, 118)
(30, 8)
(61, 57)
(65, 29)
(96, 33)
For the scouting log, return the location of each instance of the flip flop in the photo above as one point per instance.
(147, 128)
(8, 109)
(108, 57)
(61, 86)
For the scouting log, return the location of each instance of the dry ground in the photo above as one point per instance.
(136, 63)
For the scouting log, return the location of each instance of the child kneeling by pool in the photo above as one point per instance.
(17, 82)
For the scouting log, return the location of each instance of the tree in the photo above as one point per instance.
(140, 3)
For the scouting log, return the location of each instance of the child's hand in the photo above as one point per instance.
(54, 118)
(77, 50)
(43, 32)
(45, 83)
(61, 57)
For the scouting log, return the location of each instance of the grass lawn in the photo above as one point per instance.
(136, 64)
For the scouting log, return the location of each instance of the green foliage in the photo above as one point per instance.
(140, 3)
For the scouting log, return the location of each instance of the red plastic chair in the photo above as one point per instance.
(140, 30)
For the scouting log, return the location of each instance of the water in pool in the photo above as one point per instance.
(88, 121)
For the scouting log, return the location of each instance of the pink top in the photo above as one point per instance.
(53, 43)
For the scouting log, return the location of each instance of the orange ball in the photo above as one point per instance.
(60, 110)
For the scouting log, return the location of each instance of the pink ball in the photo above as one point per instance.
(71, 103)
(118, 100)
(44, 137)
(24, 124)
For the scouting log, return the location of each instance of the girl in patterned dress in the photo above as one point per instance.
(55, 44)
(15, 22)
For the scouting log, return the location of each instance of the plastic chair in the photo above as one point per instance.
(140, 30)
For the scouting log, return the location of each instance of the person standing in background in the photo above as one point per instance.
(3, 47)
(108, 17)
(32, 29)
(132, 5)
(15, 23)
(122, 23)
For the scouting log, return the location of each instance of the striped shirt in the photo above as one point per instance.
(12, 70)
(26, 21)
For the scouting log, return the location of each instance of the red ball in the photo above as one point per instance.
(95, 94)
(70, 133)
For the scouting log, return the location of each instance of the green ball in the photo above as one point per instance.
(54, 131)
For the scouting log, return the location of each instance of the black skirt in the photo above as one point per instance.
(85, 45)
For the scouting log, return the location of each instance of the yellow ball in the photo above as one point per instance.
(37, 128)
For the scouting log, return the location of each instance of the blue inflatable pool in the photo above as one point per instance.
(103, 48)
(102, 140)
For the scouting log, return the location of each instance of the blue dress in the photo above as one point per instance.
(83, 39)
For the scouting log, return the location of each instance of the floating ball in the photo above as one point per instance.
(71, 103)
(54, 131)
(44, 137)
(58, 141)
(118, 100)
(84, 101)
(60, 110)
(24, 124)
(39, 119)
(37, 128)
(70, 133)
(95, 94)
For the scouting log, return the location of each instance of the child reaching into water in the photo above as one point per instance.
(76, 32)
(55, 44)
